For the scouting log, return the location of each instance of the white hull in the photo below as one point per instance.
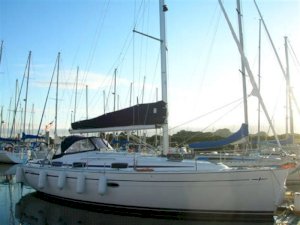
(12, 157)
(246, 161)
(255, 191)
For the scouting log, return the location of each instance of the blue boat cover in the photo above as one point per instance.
(240, 134)
(30, 136)
(9, 140)
(121, 142)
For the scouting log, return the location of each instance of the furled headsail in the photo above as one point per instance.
(140, 116)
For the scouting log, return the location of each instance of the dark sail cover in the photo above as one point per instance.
(141, 114)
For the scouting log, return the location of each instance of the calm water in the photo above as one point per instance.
(20, 204)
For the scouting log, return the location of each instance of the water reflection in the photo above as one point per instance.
(8, 169)
(21, 205)
(36, 209)
(10, 193)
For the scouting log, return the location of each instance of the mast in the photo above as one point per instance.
(143, 90)
(17, 99)
(163, 58)
(1, 116)
(56, 100)
(275, 51)
(239, 12)
(12, 132)
(8, 120)
(1, 120)
(103, 101)
(32, 119)
(249, 72)
(130, 97)
(86, 101)
(26, 95)
(163, 50)
(130, 100)
(76, 84)
(259, 84)
(118, 102)
(115, 84)
(156, 99)
(1, 48)
(47, 96)
(19, 126)
(288, 94)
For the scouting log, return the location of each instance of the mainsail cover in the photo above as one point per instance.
(240, 135)
(31, 136)
(141, 114)
(9, 139)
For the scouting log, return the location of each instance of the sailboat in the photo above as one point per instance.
(13, 151)
(87, 170)
(262, 156)
(19, 150)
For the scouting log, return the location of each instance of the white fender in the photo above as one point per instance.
(297, 203)
(42, 179)
(19, 174)
(80, 186)
(102, 185)
(61, 180)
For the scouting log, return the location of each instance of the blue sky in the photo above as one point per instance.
(96, 35)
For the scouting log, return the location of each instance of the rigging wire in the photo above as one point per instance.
(129, 41)
(153, 89)
(71, 72)
(47, 96)
(118, 62)
(143, 51)
(293, 53)
(123, 53)
(212, 28)
(89, 61)
(239, 101)
(18, 99)
(137, 13)
(69, 77)
(4, 59)
(295, 59)
(65, 92)
(93, 48)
